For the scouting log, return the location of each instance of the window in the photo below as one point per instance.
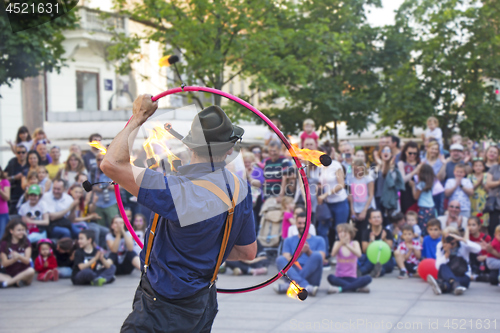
(87, 91)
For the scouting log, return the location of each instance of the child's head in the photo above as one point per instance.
(447, 238)
(411, 218)
(407, 233)
(473, 224)
(65, 245)
(39, 134)
(86, 238)
(249, 159)
(361, 155)
(287, 204)
(434, 228)
(346, 229)
(308, 126)
(45, 247)
(359, 168)
(15, 232)
(23, 134)
(478, 165)
(497, 233)
(139, 222)
(42, 172)
(432, 123)
(374, 217)
(459, 171)
(398, 220)
(81, 177)
(427, 176)
(34, 193)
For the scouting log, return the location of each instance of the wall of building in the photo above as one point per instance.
(11, 118)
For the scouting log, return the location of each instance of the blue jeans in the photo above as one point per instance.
(340, 211)
(4, 219)
(446, 275)
(365, 266)
(322, 230)
(311, 271)
(60, 232)
(439, 203)
(65, 272)
(37, 236)
(349, 283)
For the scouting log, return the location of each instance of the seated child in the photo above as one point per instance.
(432, 239)
(15, 253)
(90, 266)
(46, 262)
(477, 261)
(412, 219)
(408, 253)
(121, 247)
(493, 249)
(347, 251)
(65, 254)
(257, 266)
(397, 222)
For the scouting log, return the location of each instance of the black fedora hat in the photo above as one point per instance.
(212, 126)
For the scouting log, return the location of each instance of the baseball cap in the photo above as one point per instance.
(456, 146)
(34, 189)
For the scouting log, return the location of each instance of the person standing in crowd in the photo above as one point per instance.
(45, 159)
(460, 189)
(422, 192)
(313, 174)
(387, 185)
(54, 167)
(395, 144)
(478, 178)
(491, 157)
(75, 149)
(276, 169)
(33, 162)
(89, 158)
(383, 141)
(74, 166)
(23, 138)
(347, 154)
(4, 201)
(16, 169)
(438, 164)
(456, 157)
(493, 188)
(409, 166)
(271, 136)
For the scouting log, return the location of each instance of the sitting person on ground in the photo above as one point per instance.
(452, 217)
(452, 262)
(15, 254)
(375, 232)
(493, 249)
(90, 265)
(408, 253)
(308, 268)
(461, 189)
(432, 239)
(35, 214)
(65, 255)
(46, 262)
(257, 266)
(480, 271)
(412, 219)
(139, 225)
(398, 221)
(347, 251)
(121, 246)
(60, 204)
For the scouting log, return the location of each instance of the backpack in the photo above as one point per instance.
(270, 223)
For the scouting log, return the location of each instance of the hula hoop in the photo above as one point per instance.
(290, 149)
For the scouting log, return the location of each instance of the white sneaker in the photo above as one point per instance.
(459, 290)
(312, 290)
(435, 286)
(333, 290)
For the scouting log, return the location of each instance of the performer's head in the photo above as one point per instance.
(212, 135)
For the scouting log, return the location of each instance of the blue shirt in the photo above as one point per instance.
(190, 230)
(425, 200)
(429, 247)
(316, 243)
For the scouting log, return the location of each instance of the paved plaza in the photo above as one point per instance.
(392, 306)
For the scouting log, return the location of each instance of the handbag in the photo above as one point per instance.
(458, 265)
(489, 207)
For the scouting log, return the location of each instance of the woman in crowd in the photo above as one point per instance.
(491, 157)
(493, 201)
(409, 166)
(361, 196)
(121, 246)
(33, 161)
(74, 166)
(4, 200)
(438, 164)
(478, 177)
(23, 137)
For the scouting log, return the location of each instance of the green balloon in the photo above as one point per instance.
(378, 252)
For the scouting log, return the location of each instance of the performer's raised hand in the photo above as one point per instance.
(144, 108)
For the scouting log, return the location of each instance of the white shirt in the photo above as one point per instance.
(293, 231)
(56, 205)
(444, 218)
(465, 249)
(436, 134)
(459, 193)
(328, 180)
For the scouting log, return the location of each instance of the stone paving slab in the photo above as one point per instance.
(61, 307)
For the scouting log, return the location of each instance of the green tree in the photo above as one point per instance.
(452, 49)
(29, 52)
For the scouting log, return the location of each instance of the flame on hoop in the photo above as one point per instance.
(157, 136)
(98, 145)
(293, 290)
(307, 154)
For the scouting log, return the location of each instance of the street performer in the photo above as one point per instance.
(203, 217)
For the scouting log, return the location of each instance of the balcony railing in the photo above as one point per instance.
(91, 20)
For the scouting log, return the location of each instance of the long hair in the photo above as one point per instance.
(81, 204)
(3, 174)
(430, 144)
(427, 176)
(111, 224)
(410, 144)
(80, 166)
(144, 225)
(7, 236)
(21, 130)
(33, 152)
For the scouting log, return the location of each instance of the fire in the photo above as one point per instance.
(98, 145)
(307, 154)
(164, 61)
(157, 136)
(293, 290)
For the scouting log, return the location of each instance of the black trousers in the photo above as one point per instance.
(152, 312)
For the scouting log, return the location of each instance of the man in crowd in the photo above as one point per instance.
(347, 151)
(16, 169)
(54, 166)
(60, 204)
(106, 205)
(90, 156)
(308, 268)
(456, 157)
(275, 172)
(41, 149)
(453, 218)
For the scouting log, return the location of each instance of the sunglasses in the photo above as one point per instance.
(477, 159)
(414, 154)
(21, 152)
(454, 207)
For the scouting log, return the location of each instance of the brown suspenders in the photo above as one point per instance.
(227, 228)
